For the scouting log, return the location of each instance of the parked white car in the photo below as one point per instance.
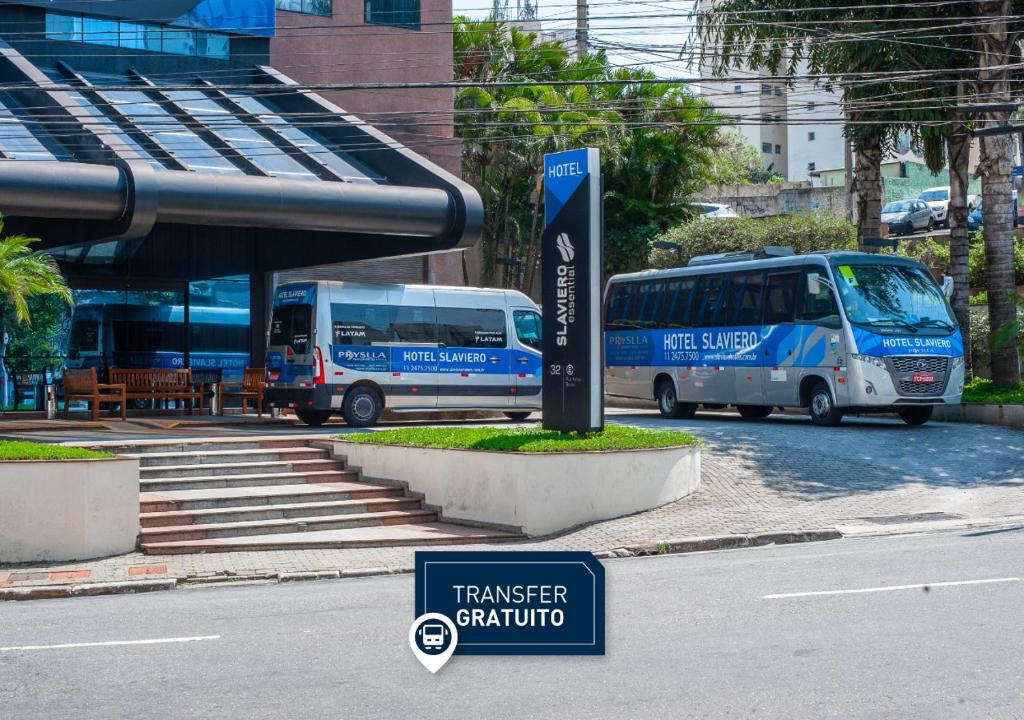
(714, 210)
(937, 199)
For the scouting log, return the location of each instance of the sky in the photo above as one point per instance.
(660, 27)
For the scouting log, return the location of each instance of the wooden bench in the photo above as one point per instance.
(250, 388)
(148, 384)
(81, 384)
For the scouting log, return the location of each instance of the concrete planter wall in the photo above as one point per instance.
(538, 493)
(68, 509)
(1009, 415)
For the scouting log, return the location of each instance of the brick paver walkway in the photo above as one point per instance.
(777, 475)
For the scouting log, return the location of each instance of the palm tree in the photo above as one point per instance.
(23, 274)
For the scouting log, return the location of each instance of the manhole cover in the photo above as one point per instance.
(916, 517)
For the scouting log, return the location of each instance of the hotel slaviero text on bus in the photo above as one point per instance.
(833, 332)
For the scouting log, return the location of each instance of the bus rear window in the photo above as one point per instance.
(291, 326)
(85, 337)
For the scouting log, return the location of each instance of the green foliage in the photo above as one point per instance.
(626, 249)
(657, 139)
(936, 254)
(980, 390)
(17, 450)
(804, 232)
(37, 345)
(980, 298)
(737, 161)
(527, 440)
(981, 338)
(25, 274)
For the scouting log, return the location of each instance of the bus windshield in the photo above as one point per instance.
(893, 296)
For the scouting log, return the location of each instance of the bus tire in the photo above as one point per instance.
(517, 416)
(313, 418)
(822, 406)
(916, 415)
(362, 406)
(754, 412)
(669, 406)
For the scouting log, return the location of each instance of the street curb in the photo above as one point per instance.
(667, 547)
(46, 592)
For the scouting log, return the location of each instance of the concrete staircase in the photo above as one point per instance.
(284, 494)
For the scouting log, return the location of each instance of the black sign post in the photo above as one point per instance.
(571, 297)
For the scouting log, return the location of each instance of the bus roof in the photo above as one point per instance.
(834, 257)
(364, 285)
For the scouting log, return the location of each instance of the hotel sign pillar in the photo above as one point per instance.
(571, 256)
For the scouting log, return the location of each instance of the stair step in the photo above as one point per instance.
(277, 511)
(217, 469)
(203, 446)
(230, 457)
(250, 480)
(249, 496)
(285, 525)
(419, 534)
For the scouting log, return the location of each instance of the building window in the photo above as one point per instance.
(811, 167)
(811, 107)
(738, 89)
(778, 149)
(766, 148)
(402, 13)
(308, 7)
(137, 36)
(778, 92)
(810, 137)
(766, 89)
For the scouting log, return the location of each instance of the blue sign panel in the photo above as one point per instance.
(869, 343)
(296, 295)
(244, 17)
(516, 603)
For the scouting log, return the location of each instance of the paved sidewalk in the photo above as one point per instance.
(779, 475)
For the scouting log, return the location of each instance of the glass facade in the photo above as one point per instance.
(308, 7)
(403, 13)
(137, 36)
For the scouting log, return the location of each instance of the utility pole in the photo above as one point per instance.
(582, 28)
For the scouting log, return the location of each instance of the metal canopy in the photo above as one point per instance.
(115, 161)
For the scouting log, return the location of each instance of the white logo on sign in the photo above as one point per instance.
(564, 245)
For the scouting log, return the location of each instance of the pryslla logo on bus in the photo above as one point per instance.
(514, 603)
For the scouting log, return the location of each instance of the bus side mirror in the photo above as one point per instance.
(814, 284)
(947, 286)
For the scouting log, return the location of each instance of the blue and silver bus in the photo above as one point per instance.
(129, 335)
(834, 332)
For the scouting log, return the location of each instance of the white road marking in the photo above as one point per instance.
(890, 588)
(109, 643)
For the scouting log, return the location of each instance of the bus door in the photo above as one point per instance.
(474, 365)
(823, 342)
(526, 356)
(416, 348)
(781, 339)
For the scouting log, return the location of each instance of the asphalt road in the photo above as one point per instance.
(716, 635)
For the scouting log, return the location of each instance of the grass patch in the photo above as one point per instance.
(980, 390)
(17, 450)
(527, 440)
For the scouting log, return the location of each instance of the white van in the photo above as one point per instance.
(356, 349)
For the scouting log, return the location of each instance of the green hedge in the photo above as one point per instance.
(804, 232)
(931, 251)
(19, 450)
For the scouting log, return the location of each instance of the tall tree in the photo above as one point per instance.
(997, 48)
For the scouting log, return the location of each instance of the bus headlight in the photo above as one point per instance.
(958, 362)
(869, 359)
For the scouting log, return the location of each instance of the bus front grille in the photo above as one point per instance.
(920, 364)
(921, 389)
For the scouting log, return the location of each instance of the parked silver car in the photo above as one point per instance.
(907, 216)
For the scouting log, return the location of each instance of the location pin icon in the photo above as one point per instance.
(433, 638)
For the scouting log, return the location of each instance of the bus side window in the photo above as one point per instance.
(818, 309)
(654, 293)
(472, 327)
(710, 295)
(415, 325)
(748, 287)
(355, 324)
(780, 297)
(679, 300)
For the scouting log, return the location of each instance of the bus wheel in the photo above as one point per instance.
(362, 406)
(754, 412)
(517, 416)
(823, 410)
(916, 415)
(670, 407)
(313, 418)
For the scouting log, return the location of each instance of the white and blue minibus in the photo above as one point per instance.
(833, 332)
(356, 349)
